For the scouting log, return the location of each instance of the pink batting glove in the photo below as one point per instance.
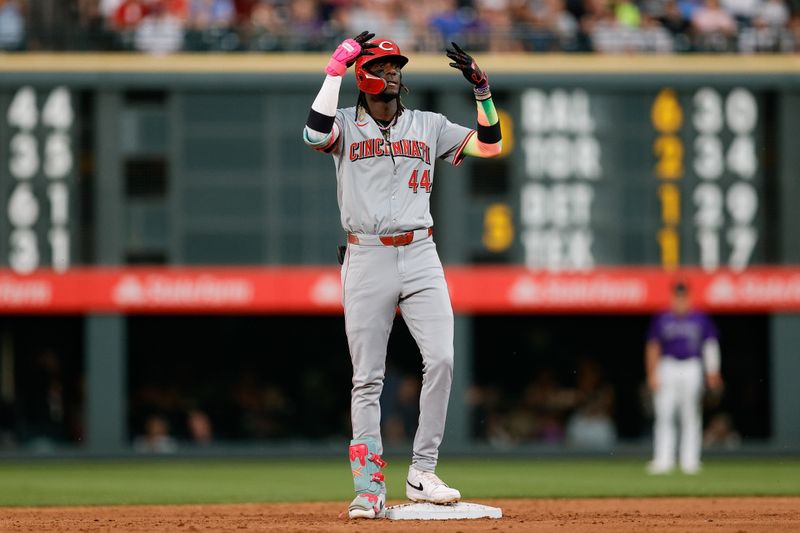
(344, 54)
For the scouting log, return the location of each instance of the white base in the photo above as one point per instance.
(430, 511)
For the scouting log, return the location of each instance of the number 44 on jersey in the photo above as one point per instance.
(424, 182)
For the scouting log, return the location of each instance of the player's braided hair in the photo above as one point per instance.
(361, 104)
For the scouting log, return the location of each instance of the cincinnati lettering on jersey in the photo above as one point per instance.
(380, 148)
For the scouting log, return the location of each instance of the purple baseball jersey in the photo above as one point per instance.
(681, 336)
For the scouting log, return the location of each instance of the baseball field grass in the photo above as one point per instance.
(183, 481)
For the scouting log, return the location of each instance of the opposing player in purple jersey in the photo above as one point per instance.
(682, 345)
(384, 155)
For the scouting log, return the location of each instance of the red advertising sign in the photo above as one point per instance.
(316, 290)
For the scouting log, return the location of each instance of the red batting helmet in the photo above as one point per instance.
(369, 83)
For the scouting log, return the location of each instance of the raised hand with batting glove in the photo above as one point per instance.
(467, 65)
(320, 128)
(487, 143)
(346, 53)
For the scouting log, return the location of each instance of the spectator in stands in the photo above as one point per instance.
(95, 33)
(129, 14)
(491, 25)
(306, 26)
(688, 7)
(198, 426)
(605, 32)
(12, 25)
(720, 433)
(450, 22)
(243, 10)
(159, 32)
(677, 25)
(655, 37)
(743, 11)
(382, 17)
(211, 26)
(50, 24)
(502, 31)
(561, 22)
(420, 36)
(263, 409)
(156, 437)
(627, 14)
(713, 28)
(549, 26)
(591, 424)
(791, 42)
(108, 8)
(773, 13)
(207, 14)
(177, 8)
(539, 415)
(264, 28)
(769, 31)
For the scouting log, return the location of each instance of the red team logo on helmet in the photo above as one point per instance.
(369, 83)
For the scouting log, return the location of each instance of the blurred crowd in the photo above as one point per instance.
(580, 413)
(608, 26)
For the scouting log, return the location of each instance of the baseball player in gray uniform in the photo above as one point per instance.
(384, 156)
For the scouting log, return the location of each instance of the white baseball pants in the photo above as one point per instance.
(679, 393)
(375, 280)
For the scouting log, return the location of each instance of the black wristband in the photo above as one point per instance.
(319, 122)
(489, 134)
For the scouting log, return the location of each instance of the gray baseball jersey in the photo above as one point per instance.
(384, 182)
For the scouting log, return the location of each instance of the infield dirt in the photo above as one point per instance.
(737, 515)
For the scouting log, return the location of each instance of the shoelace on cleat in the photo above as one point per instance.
(433, 479)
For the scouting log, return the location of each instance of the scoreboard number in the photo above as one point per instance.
(49, 127)
(723, 165)
(739, 204)
(24, 161)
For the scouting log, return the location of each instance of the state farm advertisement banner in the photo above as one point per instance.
(317, 290)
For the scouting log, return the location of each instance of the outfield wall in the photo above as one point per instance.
(177, 187)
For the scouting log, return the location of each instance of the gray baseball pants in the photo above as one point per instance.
(375, 280)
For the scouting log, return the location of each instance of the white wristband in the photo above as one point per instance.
(711, 356)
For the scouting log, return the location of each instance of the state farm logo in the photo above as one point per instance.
(721, 290)
(754, 290)
(19, 292)
(580, 291)
(182, 291)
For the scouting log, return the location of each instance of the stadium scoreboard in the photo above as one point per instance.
(669, 177)
(626, 172)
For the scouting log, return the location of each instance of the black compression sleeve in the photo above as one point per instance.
(489, 134)
(319, 122)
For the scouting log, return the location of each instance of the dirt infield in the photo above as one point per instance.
(737, 515)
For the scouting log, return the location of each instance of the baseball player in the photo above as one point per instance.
(682, 345)
(384, 156)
